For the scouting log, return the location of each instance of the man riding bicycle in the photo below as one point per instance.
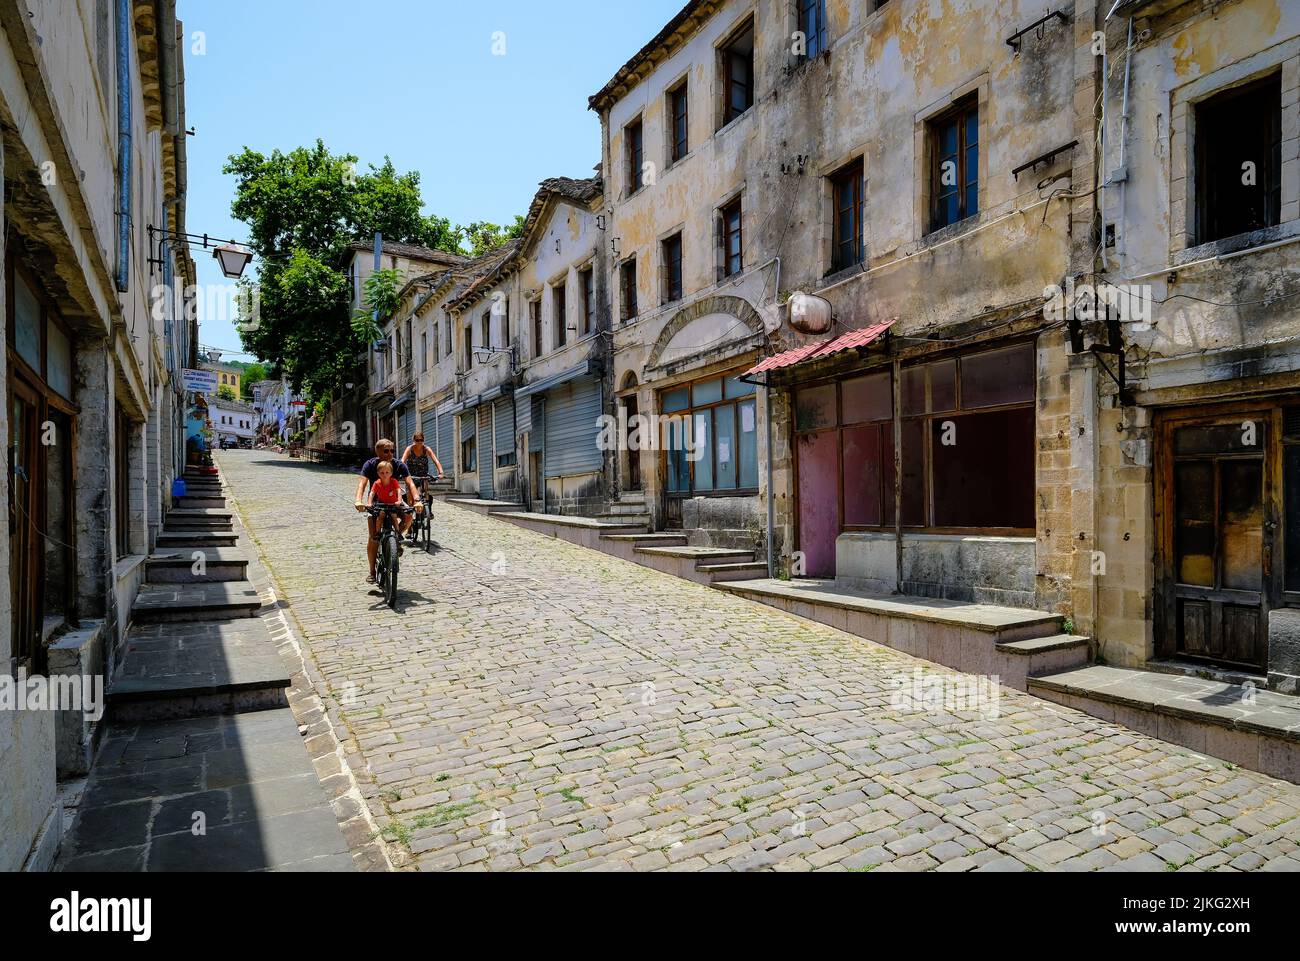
(416, 458)
(385, 451)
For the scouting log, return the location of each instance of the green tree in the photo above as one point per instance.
(303, 209)
(253, 374)
(226, 392)
(484, 237)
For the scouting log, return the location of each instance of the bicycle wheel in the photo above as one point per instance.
(390, 567)
(428, 529)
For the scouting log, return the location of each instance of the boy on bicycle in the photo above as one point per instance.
(386, 451)
(385, 491)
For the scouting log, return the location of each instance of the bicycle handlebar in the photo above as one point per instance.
(377, 509)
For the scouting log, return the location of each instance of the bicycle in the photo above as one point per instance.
(386, 562)
(422, 529)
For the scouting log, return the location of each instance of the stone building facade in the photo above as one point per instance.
(99, 326)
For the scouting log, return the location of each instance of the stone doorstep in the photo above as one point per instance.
(1210, 717)
(716, 555)
(651, 540)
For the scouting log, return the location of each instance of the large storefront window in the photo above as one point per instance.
(967, 443)
(712, 439)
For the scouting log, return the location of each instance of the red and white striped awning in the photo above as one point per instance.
(864, 337)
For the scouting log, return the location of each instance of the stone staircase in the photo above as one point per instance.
(198, 722)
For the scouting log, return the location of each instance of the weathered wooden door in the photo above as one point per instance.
(819, 500)
(1219, 493)
(26, 522)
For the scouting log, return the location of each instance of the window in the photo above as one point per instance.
(633, 143)
(954, 174)
(469, 346)
(812, 24)
(446, 338)
(627, 284)
(410, 345)
(968, 425)
(846, 211)
(535, 308)
(561, 316)
(711, 442)
(1239, 160)
(469, 454)
(588, 278)
(506, 333)
(731, 239)
(424, 352)
(679, 112)
(486, 324)
(672, 260)
(738, 75)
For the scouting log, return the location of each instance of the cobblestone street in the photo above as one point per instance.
(538, 705)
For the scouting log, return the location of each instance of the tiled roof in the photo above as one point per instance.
(484, 272)
(580, 192)
(864, 337)
(412, 252)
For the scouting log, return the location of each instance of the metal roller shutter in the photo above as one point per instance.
(524, 415)
(572, 428)
(406, 429)
(486, 455)
(504, 412)
(443, 443)
(537, 438)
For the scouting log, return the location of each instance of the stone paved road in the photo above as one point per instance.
(539, 705)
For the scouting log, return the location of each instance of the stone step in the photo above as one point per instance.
(169, 540)
(194, 501)
(628, 507)
(733, 571)
(195, 602)
(203, 519)
(964, 636)
(685, 562)
(482, 506)
(177, 566)
(249, 773)
(198, 668)
(1256, 729)
(647, 540)
(624, 518)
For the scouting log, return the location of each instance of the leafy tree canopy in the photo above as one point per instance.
(303, 209)
(483, 237)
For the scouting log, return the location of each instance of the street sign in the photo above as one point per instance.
(199, 381)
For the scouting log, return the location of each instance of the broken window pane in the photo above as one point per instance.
(867, 398)
(1194, 526)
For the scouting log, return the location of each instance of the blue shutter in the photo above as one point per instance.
(505, 428)
(406, 430)
(573, 428)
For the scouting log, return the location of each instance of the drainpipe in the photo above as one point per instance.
(123, 37)
(898, 474)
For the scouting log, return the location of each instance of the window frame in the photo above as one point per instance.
(634, 155)
(679, 122)
(560, 314)
(674, 268)
(852, 176)
(731, 226)
(587, 287)
(689, 412)
(628, 305)
(957, 115)
(814, 10)
(1258, 87)
(746, 30)
(535, 315)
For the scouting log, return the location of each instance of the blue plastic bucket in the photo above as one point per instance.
(178, 487)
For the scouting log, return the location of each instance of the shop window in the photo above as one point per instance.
(719, 451)
(1239, 160)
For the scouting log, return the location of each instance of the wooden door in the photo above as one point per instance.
(26, 518)
(633, 456)
(818, 457)
(1220, 489)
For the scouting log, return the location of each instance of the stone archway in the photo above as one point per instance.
(706, 330)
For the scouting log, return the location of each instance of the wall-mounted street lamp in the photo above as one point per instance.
(484, 354)
(233, 257)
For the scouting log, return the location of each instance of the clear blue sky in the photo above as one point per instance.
(412, 79)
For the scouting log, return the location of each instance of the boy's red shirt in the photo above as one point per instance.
(390, 493)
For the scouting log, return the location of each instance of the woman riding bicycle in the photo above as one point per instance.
(417, 459)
